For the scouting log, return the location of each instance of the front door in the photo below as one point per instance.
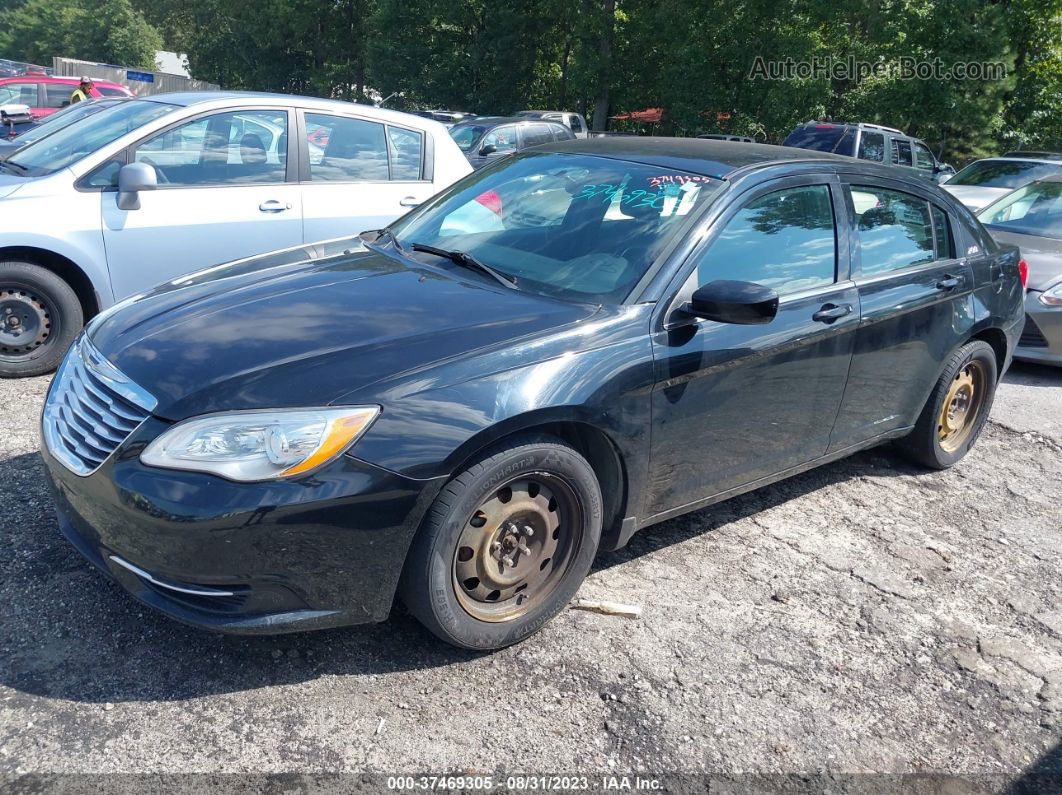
(222, 194)
(732, 403)
(358, 175)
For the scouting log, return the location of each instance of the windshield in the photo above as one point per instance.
(64, 118)
(85, 136)
(1002, 173)
(823, 138)
(466, 135)
(1035, 209)
(571, 226)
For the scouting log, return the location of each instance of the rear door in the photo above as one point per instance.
(223, 193)
(358, 174)
(733, 403)
(913, 293)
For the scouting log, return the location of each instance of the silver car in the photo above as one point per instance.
(984, 181)
(1031, 218)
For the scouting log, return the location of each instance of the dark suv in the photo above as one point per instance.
(484, 139)
(871, 142)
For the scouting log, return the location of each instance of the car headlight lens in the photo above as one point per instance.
(1052, 296)
(260, 445)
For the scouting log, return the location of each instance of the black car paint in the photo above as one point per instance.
(458, 363)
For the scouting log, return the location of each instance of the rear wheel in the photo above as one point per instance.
(505, 546)
(39, 317)
(957, 409)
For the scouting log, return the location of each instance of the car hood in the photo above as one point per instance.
(309, 326)
(973, 196)
(1043, 255)
(9, 183)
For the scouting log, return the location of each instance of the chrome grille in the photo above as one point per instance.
(92, 407)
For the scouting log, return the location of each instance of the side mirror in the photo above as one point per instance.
(488, 149)
(744, 303)
(133, 178)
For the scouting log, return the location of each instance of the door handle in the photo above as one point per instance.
(410, 201)
(273, 206)
(832, 312)
(949, 282)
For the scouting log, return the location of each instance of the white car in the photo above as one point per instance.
(156, 187)
(984, 181)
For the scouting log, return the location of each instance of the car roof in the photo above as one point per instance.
(707, 156)
(1051, 161)
(236, 99)
(494, 121)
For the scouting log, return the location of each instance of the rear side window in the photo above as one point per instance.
(901, 152)
(345, 150)
(836, 138)
(57, 94)
(406, 149)
(535, 134)
(872, 147)
(894, 228)
(923, 157)
(941, 233)
(20, 94)
(784, 240)
(577, 124)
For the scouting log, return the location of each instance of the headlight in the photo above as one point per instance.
(1052, 296)
(260, 445)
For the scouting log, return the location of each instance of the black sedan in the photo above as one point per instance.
(560, 350)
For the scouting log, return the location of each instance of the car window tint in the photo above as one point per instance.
(245, 147)
(823, 138)
(345, 150)
(503, 138)
(784, 240)
(577, 124)
(872, 147)
(536, 134)
(893, 227)
(57, 94)
(20, 94)
(942, 233)
(923, 157)
(406, 148)
(901, 152)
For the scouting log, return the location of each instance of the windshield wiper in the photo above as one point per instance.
(461, 258)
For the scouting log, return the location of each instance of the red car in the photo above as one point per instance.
(46, 95)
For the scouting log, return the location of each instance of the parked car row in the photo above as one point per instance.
(45, 94)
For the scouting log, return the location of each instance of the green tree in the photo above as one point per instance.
(108, 31)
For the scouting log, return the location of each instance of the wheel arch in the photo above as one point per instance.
(998, 340)
(63, 267)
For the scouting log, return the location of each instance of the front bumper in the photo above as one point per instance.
(1041, 339)
(322, 551)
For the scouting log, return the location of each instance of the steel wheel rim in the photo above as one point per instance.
(962, 406)
(500, 570)
(27, 321)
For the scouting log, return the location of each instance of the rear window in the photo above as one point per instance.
(1003, 173)
(836, 138)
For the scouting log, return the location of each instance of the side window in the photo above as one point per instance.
(238, 148)
(872, 147)
(923, 157)
(894, 229)
(21, 94)
(561, 133)
(57, 94)
(941, 233)
(901, 152)
(345, 150)
(577, 125)
(784, 240)
(109, 91)
(406, 148)
(503, 138)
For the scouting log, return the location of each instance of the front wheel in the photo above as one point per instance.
(957, 409)
(505, 546)
(39, 317)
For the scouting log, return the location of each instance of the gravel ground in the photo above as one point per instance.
(866, 617)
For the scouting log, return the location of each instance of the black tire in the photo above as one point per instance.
(48, 314)
(429, 586)
(924, 444)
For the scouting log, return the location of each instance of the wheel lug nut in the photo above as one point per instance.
(527, 530)
(523, 548)
(508, 561)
